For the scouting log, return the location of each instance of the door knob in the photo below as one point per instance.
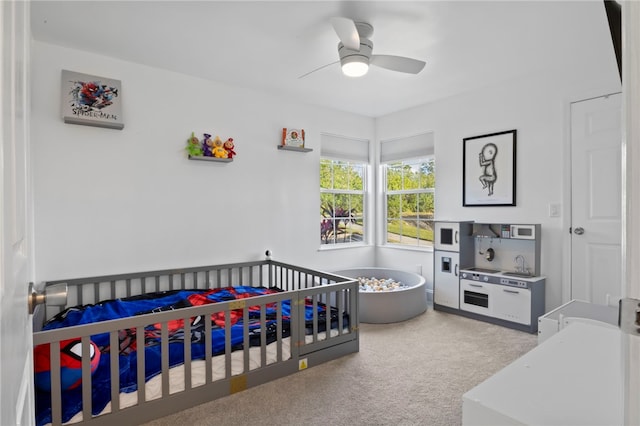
(579, 230)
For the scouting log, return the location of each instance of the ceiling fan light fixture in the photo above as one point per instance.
(355, 51)
(355, 66)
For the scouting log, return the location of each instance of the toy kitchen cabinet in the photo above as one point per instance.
(453, 250)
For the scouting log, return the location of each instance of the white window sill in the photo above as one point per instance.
(328, 247)
(427, 249)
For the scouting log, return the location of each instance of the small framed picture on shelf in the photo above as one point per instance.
(293, 137)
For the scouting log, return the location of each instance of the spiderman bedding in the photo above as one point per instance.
(153, 302)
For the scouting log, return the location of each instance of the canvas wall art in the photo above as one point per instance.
(91, 100)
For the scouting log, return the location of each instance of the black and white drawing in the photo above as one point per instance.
(489, 170)
(488, 164)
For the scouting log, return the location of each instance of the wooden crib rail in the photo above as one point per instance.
(266, 273)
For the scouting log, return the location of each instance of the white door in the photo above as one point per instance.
(16, 371)
(596, 203)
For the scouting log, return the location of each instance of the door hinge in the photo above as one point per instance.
(629, 316)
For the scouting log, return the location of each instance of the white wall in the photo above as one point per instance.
(537, 106)
(114, 201)
(111, 201)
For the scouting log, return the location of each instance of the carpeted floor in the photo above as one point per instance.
(408, 373)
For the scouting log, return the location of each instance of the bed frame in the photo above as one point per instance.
(307, 347)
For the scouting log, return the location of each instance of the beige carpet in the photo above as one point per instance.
(408, 373)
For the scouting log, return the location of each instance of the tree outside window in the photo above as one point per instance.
(342, 189)
(409, 192)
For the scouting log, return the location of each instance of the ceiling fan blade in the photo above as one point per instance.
(318, 69)
(397, 63)
(347, 32)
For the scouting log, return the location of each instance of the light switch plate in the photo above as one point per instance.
(554, 210)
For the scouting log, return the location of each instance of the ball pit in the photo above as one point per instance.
(389, 305)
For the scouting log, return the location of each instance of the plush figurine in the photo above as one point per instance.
(207, 146)
(228, 146)
(194, 149)
(218, 150)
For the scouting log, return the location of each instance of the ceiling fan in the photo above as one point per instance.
(355, 47)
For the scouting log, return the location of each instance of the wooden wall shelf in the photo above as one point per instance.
(294, 148)
(214, 159)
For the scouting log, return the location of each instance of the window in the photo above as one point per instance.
(408, 168)
(343, 190)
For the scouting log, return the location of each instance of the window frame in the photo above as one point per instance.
(364, 193)
(385, 193)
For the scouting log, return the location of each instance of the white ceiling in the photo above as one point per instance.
(267, 45)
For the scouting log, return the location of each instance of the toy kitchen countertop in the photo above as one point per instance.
(473, 272)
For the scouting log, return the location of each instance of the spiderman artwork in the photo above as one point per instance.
(92, 95)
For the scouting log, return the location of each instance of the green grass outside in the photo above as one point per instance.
(410, 231)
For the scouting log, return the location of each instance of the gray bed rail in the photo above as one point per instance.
(266, 273)
(308, 344)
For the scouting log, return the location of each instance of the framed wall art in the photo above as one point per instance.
(293, 137)
(489, 170)
(91, 100)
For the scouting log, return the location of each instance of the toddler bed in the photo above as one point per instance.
(207, 332)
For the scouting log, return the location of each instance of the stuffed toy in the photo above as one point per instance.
(207, 146)
(70, 364)
(194, 149)
(228, 146)
(218, 150)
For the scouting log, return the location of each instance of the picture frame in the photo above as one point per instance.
(91, 100)
(489, 170)
(293, 137)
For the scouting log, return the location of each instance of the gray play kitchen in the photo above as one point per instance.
(489, 272)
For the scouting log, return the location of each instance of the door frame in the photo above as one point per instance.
(630, 218)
